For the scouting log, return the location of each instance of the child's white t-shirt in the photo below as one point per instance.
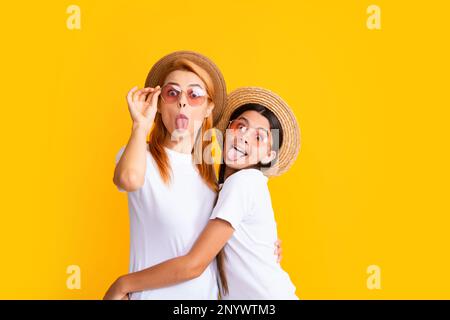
(250, 265)
(166, 220)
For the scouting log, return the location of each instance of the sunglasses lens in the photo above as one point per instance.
(256, 136)
(170, 94)
(196, 97)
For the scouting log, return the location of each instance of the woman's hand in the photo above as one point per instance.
(142, 105)
(117, 291)
(278, 250)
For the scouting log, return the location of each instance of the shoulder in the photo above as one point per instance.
(246, 176)
(245, 181)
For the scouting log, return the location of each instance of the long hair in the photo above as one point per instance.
(274, 124)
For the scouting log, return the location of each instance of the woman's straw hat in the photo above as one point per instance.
(158, 73)
(290, 146)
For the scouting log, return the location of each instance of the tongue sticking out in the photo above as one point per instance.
(233, 154)
(181, 123)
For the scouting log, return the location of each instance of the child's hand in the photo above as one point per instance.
(278, 250)
(142, 105)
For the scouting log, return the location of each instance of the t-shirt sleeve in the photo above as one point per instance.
(118, 156)
(235, 200)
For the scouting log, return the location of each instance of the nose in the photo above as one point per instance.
(182, 100)
(243, 138)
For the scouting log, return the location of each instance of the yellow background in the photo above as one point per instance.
(370, 185)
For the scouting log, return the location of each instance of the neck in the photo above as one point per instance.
(182, 144)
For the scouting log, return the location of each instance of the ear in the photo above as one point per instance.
(209, 109)
(267, 159)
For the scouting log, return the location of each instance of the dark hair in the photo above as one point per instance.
(274, 125)
(273, 122)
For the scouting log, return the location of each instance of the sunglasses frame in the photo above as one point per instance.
(206, 96)
(265, 141)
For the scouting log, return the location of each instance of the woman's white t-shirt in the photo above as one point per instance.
(165, 221)
(251, 266)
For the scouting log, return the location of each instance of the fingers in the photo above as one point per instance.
(140, 94)
(137, 95)
(277, 244)
(130, 95)
(278, 250)
(279, 258)
(145, 93)
(152, 106)
(155, 95)
(152, 93)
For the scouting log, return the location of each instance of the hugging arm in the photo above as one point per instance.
(213, 238)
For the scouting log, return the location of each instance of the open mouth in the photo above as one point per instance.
(181, 122)
(236, 153)
(240, 151)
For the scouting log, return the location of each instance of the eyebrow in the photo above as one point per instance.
(248, 122)
(190, 85)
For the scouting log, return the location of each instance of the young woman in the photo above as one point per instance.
(262, 140)
(171, 191)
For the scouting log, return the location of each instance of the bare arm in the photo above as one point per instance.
(213, 238)
(130, 170)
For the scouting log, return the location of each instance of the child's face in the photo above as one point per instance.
(248, 141)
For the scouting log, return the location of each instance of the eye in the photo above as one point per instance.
(173, 93)
(261, 137)
(197, 93)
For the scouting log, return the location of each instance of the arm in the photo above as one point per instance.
(176, 270)
(130, 170)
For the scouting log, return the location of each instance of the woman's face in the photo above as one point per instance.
(248, 141)
(184, 104)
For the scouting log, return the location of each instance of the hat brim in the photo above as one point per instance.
(158, 73)
(290, 147)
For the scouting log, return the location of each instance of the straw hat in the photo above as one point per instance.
(291, 133)
(157, 74)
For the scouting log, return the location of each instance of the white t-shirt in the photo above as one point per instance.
(166, 220)
(251, 266)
